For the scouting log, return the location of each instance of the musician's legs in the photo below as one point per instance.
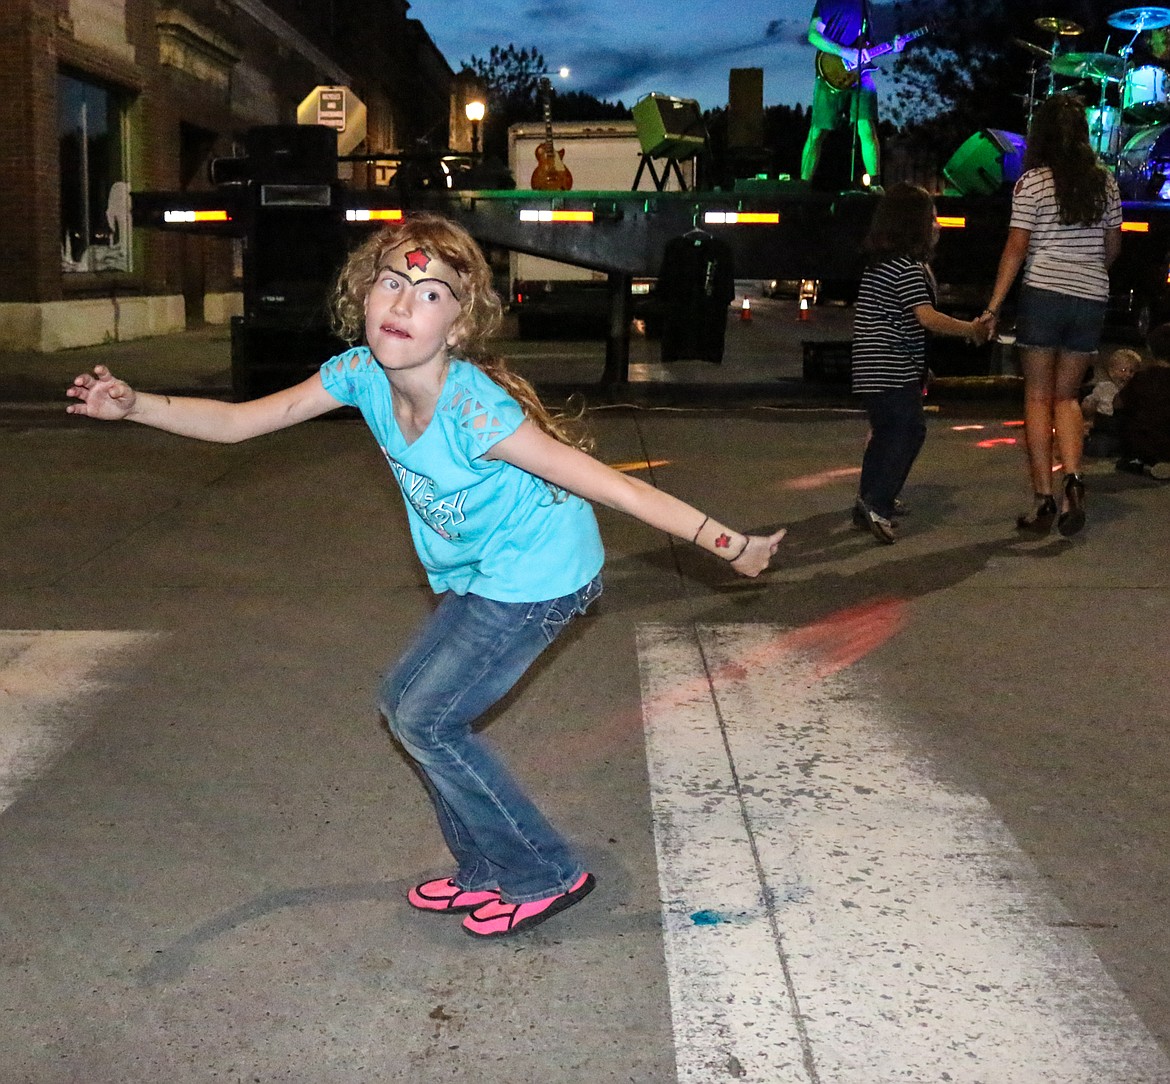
(871, 155)
(867, 128)
(828, 113)
(811, 155)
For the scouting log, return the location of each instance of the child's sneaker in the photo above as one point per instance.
(499, 919)
(445, 895)
(881, 528)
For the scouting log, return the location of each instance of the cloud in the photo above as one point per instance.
(623, 50)
(555, 12)
(792, 31)
(614, 70)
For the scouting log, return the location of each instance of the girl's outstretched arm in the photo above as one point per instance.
(532, 450)
(100, 394)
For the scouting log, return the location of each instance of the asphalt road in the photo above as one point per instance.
(207, 834)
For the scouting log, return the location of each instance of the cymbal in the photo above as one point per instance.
(1140, 19)
(1100, 66)
(1035, 50)
(1065, 27)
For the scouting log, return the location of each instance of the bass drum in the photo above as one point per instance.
(1143, 166)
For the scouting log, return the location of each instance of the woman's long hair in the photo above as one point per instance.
(902, 225)
(1059, 140)
(480, 309)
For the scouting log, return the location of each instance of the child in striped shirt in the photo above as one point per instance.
(895, 310)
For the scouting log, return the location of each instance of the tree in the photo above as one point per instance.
(785, 128)
(512, 78)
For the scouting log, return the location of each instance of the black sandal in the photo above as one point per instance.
(1073, 519)
(1040, 521)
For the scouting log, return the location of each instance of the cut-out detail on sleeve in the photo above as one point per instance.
(476, 418)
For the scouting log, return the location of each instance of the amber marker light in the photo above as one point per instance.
(364, 214)
(952, 222)
(741, 218)
(196, 216)
(1135, 227)
(529, 214)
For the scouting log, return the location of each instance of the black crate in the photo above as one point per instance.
(826, 361)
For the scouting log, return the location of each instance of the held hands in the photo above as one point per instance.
(758, 552)
(982, 329)
(101, 395)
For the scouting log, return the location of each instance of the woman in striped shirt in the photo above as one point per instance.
(1065, 232)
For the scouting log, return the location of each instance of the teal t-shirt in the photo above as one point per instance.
(479, 525)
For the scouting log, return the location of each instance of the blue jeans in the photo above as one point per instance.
(466, 657)
(898, 430)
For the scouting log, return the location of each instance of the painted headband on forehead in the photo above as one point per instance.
(416, 264)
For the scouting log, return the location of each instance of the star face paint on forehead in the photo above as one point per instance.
(416, 264)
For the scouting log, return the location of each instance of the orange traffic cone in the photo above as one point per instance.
(745, 313)
(804, 308)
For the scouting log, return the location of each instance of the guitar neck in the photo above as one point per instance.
(880, 50)
(898, 43)
(545, 89)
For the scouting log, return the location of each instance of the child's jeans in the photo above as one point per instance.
(466, 657)
(898, 430)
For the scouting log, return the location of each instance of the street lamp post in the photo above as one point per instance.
(475, 110)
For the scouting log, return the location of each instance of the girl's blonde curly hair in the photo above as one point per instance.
(480, 309)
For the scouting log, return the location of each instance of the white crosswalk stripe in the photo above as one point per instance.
(835, 913)
(43, 673)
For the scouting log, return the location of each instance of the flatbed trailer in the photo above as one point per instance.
(296, 236)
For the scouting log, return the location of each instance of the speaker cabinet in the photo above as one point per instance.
(669, 127)
(986, 162)
(745, 108)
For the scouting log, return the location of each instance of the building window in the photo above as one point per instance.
(95, 195)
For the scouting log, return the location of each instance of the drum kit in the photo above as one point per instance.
(1129, 126)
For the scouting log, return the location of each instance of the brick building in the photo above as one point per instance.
(99, 98)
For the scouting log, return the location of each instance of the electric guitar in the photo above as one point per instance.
(841, 74)
(551, 173)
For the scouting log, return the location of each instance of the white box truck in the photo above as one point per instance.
(551, 298)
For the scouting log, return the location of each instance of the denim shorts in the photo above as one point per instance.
(1050, 321)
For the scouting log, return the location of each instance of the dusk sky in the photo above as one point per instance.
(624, 49)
